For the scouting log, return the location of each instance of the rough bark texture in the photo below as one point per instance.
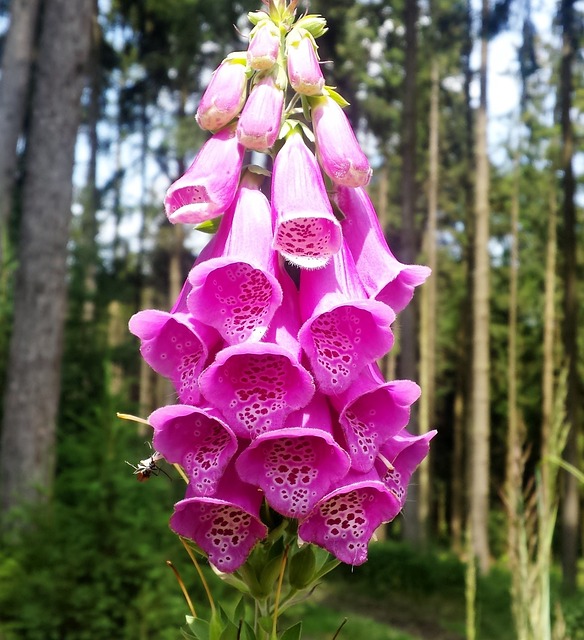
(479, 458)
(570, 514)
(408, 335)
(33, 385)
(14, 87)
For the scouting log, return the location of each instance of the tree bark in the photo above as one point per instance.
(408, 320)
(570, 511)
(33, 377)
(17, 62)
(480, 450)
(428, 298)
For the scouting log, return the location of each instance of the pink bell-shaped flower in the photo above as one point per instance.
(382, 275)
(198, 439)
(337, 147)
(208, 186)
(257, 385)
(264, 46)
(296, 465)
(260, 121)
(224, 96)
(343, 331)
(175, 345)
(345, 519)
(226, 525)
(371, 412)
(307, 232)
(400, 457)
(304, 70)
(236, 290)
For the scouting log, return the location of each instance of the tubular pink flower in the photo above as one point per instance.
(224, 96)
(198, 439)
(344, 331)
(371, 412)
(208, 187)
(227, 525)
(400, 457)
(307, 232)
(303, 68)
(175, 345)
(264, 46)
(236, 290)
(257, 385)
(260, 121)
(344, 520)
(382, 275)
(296, 465)
(339, 152)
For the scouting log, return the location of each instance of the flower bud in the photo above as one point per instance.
(303, 67)
(261, 119)
(208, 186)
(224, 97)
(339, 152)
(264, 46)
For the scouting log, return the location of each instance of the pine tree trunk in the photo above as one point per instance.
(408, 320)
(33, 377)
(17, 62)
(428, 300)
(570, 513)
(479, 454)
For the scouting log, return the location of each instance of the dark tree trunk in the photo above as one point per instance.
(33, 379)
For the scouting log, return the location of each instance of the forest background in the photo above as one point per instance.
(97, 103)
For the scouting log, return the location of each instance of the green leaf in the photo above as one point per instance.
(337, 97)
(270, 574)
(239, 613)
(302, 567)
(266, 623)
(247, 633)
(216, 625)
(229, 633)
(293, 633)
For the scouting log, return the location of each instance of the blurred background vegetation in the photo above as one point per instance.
(97, 103)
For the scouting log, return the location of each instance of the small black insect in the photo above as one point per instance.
(147, 468)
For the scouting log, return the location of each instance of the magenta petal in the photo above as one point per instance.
(176, 346)
(296, 465)
(236, 291)
(344, 331)
(371, 412)
(344, 521)
(337, 147)
(224, 96)
(197, 439)
(382, 275)
(400, 457)
(302, 61)
(264, 45)
(307, 233)
(207, 188)
(260, 121)
(226, 526)
(256, 386)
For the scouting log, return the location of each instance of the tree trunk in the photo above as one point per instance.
(408, 321)
(570, 513)
(14, 89)
(428, 298)
(33, 377)
(479, 454)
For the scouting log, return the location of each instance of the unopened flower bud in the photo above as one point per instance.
(260, 121)
(224, 97)
(338, 150)
(264, 46)
(303, 67)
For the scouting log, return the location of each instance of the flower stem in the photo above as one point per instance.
(279, 592)
(201, 575)
(181, 584)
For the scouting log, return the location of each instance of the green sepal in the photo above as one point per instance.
(239, 613)
(247, 633)
(293, 633)
(217, 624)
(199, 627)
(336, 96)
(270, 574)
(266, 623)
(307, 131)
(302, 567)
(237, 56)
(255, 17)
(249, 576)
(230, 632)
(305, 107)
(209, 226)
(313, 23)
